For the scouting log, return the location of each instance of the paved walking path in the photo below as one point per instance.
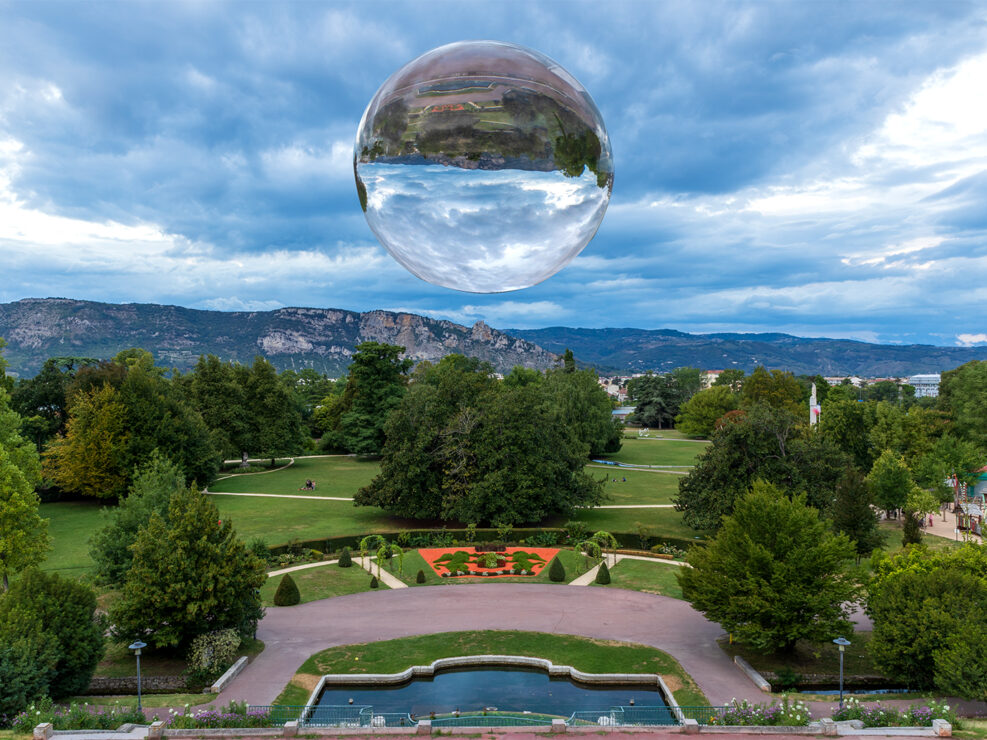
(590, 576)
(391, 581)
(293, 568)
(278, 495)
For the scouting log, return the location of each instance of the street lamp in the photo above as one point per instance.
(842, 642)
(136, 647)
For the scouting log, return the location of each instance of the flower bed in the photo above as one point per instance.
(787, 714)
(75, 717)
(235, 714)
(456, 562)
(917, 715)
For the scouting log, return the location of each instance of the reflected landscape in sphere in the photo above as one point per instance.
(483, 166)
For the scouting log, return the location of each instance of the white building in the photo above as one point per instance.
(926, 386)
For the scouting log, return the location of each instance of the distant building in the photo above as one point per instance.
(926, 386)
(621, 413)
(709, 377)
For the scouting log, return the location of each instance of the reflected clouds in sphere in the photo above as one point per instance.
(483, 166)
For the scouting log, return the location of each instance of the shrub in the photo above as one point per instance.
(576, 531)
(287, 593)
(556, 571)
(420, 578)
(744, 713)
(235, 714)
(603, 574)
(912, 529)
(46, 609)
(259, 548)
(345, 559)
(214, 652)
(373, 582)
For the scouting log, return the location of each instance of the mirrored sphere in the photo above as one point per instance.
(483, 166)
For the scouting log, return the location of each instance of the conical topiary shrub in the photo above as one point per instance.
(420, 578)
(603, 574)
(345, 559)
(556, 571)
(373, 582)
(287, 593)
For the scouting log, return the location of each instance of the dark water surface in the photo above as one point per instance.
(507, 689)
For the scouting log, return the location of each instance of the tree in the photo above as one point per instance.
(556, 571)
(950, 459)
(657, 398)
(23, 533)
(218, 391)
(25, 673)
(150, 493)
(853, 515)
(776, 388)
(963, 394)
(688, 382)
(762, 442)
(189, 576)
(378, 378)
(460, 446)
(59, 612)
(44, 396)
(731, 378)
(584, 407)
(847, 424)
(890, 482)
(928, 608)
(700, 413)
(274, 419)
(911, 529)
(774, 574)
(883, 390)
(603, 574)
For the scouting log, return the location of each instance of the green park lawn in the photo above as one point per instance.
(654, 523)
(574, 563)
(812, 658)
(657, 452)
(657, 577)
(70, 525)
(640, 487)
(658, 434)
(323, 582)
(591, 656)
(337, 476)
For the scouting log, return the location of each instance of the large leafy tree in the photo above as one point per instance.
(776, 388)
(23, 533)
(761, 442)
(700, 413)
(890, 482)
(929, 609)
(949, 460)
(149, 494)
(657, 399)
(963, 394)
(274, 419)
(462, 447)
(51, 610)
(189, 576)
(218, 391)
(774, 574)
(584, 407)
(43, 398)
(847, 424)
(378, 377)
(120, 413)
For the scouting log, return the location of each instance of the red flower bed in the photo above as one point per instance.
(463, 562)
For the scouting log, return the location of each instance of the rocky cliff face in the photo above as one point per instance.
(323, 339)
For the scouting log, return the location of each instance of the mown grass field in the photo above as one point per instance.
(323, 582)
(591, 656)
(657, 577)
(337, 476)
(657, 452)
(625, 486)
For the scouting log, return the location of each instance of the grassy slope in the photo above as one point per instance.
(70, 525)
(640, 487)
(656, 577)
(321, 583)
(333, 476)
(592, 656)
(814, 658)
(652, 452)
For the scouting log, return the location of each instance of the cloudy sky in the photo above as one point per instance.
(817, 168)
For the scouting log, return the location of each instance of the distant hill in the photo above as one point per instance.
(319, 338)
(638, 350)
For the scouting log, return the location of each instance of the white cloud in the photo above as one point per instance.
(235, 303)
(968, 340)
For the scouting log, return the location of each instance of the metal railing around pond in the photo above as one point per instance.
(364, 716)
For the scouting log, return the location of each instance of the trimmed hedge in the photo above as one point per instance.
(287, 593)
(345, 559)
(420, 578)
(373, 582)
(603, 574)
(556, 571)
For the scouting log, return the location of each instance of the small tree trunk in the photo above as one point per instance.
(243, 460)
(6, 583)
(272, 462)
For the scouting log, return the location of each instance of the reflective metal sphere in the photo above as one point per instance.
(483, 166)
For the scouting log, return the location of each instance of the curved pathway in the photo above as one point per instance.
(292, 634)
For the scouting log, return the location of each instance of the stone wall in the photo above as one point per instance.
(101, 686)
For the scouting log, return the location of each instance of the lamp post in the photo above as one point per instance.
(136, 647)
(842, 642)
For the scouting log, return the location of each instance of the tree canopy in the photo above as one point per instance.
(700, 413)
(774, 574)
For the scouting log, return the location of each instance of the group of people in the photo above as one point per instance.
(309, 486)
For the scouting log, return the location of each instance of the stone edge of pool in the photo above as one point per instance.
(372, 679)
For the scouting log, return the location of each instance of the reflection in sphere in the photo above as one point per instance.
(483, 166)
